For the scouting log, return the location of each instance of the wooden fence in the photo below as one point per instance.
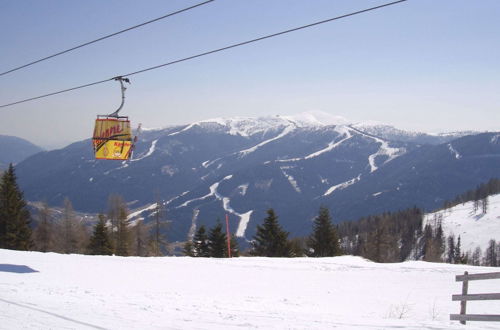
(464, 297)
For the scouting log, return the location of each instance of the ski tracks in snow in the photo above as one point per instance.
(244, 217)
(285, 132)
(152, 149)
(342, 185)
(384, 150)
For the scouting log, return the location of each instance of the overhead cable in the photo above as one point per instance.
(209, 52)
(104, 37)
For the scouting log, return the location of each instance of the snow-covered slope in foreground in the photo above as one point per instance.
(475, 229)
(51, 291)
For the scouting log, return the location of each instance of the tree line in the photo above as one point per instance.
(270, 240)
(479, 196)
(388, 237)
(112, 234)
(402, 235)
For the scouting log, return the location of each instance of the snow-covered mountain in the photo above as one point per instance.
(54, 291)
(243, 166)
(389, 132)
(475, 228)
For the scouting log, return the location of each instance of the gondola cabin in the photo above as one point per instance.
(112, 138)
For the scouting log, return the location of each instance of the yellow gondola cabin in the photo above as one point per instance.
(112, 138)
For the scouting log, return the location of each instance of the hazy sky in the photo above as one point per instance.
(427, 65)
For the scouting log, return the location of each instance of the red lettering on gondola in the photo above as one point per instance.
(114, 130)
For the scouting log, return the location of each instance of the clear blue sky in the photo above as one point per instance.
(427, 65)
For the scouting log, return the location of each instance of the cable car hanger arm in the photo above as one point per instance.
(123, 89)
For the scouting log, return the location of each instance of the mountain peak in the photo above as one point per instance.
(316, 118)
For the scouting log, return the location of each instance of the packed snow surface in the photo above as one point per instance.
(52, 291)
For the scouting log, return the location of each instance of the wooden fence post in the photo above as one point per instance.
(465, 296)
(463, 303)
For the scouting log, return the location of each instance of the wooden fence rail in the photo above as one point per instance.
(464, 297)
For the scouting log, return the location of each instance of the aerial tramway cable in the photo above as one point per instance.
(208, 52)
(105, 37)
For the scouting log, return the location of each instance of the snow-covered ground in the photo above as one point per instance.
(51, 291)
(474, 228)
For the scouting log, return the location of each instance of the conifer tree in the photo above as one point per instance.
(484, 204)
(271, 240)
(458, 257)
(100, 243)
(451, 250)
(15, 231)
(217, 242)
(200, 243)
(188, 249)
(298, 246)
(476, 257)
(491, 254)
(323, 242)
(122, 235)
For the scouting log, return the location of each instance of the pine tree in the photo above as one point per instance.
(298, 247)
(432, 245)
(271, 240)
(450, 258)
(200, 243)
(188, 249)
(99, 242)
(484, 204)
(491, 254)
(15, 231)
(458, 257)
(476, 257)
(122, 235)
(323, 242)
(217, 242)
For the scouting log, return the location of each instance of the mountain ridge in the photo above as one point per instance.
(245, 166)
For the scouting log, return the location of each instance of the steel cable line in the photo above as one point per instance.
(209, 52)
(105, 37)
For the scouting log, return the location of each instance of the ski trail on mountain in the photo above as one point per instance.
(290, 178)
(213, 192)
(384, 150)
(454, 152)
(332, 145)
(192, 228)
(152, 149)
(183, 130)
(244, 217)
(342, 185)
(285, 132)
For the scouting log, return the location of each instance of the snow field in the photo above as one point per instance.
(474, 229)
(97, 292)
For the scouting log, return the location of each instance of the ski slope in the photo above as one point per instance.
(474, 228)
(51, 291)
